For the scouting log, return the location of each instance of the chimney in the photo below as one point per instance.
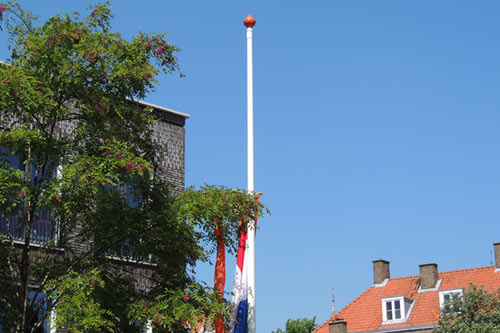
(497, 255)
(337, 326)
(428, 276)
(380, 271)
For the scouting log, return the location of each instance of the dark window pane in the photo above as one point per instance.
(127, 191)
(34, 314)
(42, 229)
(397, 310)
(397, 314)
(388, 306)
(12, 160)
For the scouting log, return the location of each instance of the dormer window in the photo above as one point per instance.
(393, 309)
(396, 309)
(449, 295)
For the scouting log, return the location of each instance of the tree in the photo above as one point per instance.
(73, 69)
(302, 325)
(478, 310)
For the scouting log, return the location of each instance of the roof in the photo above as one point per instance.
(162, 108)
(165, 114)
(365, 312)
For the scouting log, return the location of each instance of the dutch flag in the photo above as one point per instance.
(239, 301)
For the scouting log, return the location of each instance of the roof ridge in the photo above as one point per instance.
(468, 269)
(445, 272)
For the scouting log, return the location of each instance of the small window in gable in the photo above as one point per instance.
(396, 309)
(449, 295)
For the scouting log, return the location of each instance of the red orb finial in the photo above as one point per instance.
(249, 21)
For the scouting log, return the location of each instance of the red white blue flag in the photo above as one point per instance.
(240, 290)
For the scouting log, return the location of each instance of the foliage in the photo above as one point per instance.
(73, 71)
(478, 310)
(188, 307)
(77, 309)
(302, 325)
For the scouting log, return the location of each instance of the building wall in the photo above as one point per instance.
(173, 161)
(168, 131)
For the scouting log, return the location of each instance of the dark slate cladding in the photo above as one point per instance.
(170, 117)
(170, 132)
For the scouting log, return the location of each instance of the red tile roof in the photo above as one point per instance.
(365, 312)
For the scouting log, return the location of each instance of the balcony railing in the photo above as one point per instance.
(43, 229)
(125, 253)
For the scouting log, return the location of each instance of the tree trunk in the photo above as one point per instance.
(25, 258)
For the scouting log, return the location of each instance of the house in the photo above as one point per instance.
(408, 304)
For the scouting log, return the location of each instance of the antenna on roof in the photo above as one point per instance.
(491, 258)
(333, 301)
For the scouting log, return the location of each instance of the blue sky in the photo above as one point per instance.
(376, 125)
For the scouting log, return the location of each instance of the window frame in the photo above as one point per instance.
(451, 293)
(405, 306)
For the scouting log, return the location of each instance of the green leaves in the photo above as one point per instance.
(77, 308)
(211, 204)
(189, 307)
(478, 310)
(302, 325)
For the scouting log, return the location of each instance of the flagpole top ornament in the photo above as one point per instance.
(249, 21)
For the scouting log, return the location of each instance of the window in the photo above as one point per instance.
(37, 304)
(393, 309)
(127, 191)
(396, 309)
(34, 312)
(449, 295)
(42, 230)
(130, 248)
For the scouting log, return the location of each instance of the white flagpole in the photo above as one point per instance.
(249, 22)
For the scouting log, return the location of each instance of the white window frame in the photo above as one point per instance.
(51, 323)
(149, 327)
(405, 306)
(451, 292)
(392, 301)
